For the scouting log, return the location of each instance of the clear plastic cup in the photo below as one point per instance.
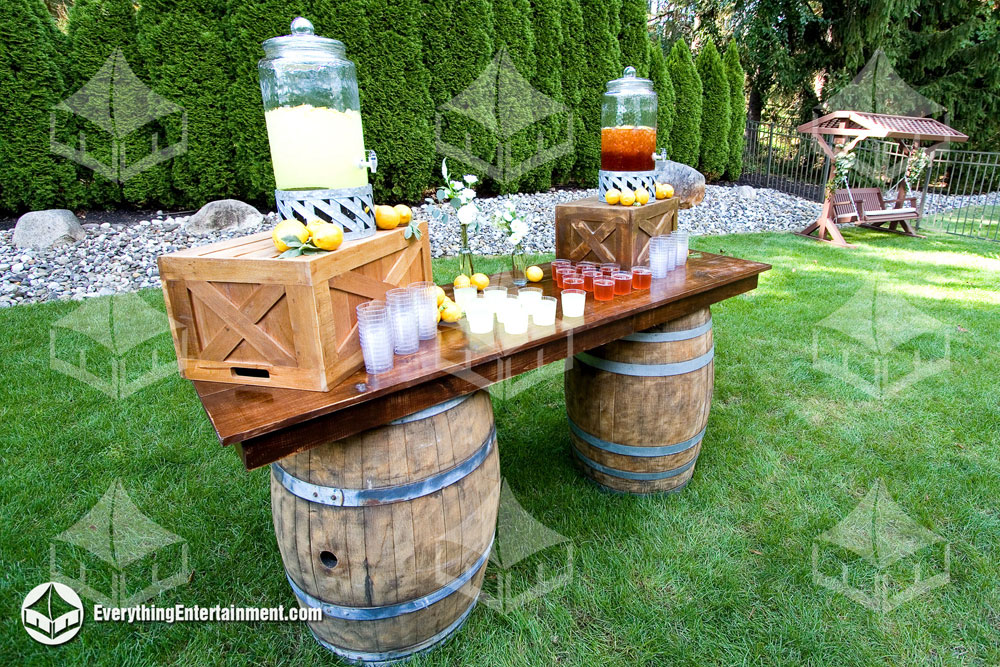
(425, 302)
(610, 268)
(403, 320)
(662, 255)
(544, 314)
(588, 278)
(479, 314)
(495, 296)
(465, 294)
(575, 281)
(623, 282)
(510, 303)
(574, 302)
(529, 296)
(641, 277)
(683, 239)
(515, 321)
(375, 333)
(604, 289)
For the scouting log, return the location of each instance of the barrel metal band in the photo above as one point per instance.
(390, 610)
(427, 413)
(647, 370)
(391, 656)
(329, 495)
(628, 474)
(631, 450)
(668, 336)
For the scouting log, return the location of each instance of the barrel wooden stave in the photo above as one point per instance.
(643, 411)
(398, 552)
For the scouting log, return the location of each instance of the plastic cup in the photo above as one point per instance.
(465, 294)
(403, 320)
(683, 239)
(623, 282)
(587, 265)
(610, 268)
(575, 281)
(529, 296)
(604, 289)
(544, 314)
(375, 333)
(495, 296)
(479, 314)
(588, 278)
(561, 272)
(662, 255)
(425, 302)
(515, 321)
(574, 302)
(642, 277)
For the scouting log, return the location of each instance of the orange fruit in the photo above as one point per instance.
(328, 236)
(627, 198)
(612, 196)
(405, 214)
(386, 217)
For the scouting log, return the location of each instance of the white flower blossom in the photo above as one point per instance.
(471, 179)
(515, 238)
(519, 227)
(468, 214)
(468, 194)
(456, 185)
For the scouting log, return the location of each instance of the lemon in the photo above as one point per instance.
(386, 217)
(287, 230)
(642, 195)
(450, 312)
(664, 191)
(313, 225)
(437, 315)
(441, 296)
(405, 214)
(480, 280)
(627, 198)
(533, 274)
(462, 281)
(612, 196)
(328, 236)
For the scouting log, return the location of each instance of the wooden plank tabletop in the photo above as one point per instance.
(271, 423)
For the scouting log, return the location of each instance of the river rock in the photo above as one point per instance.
(44, 229)
(223, 215)
(689, 183)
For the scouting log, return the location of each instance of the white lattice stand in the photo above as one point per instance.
(621, 180)
(351, 208)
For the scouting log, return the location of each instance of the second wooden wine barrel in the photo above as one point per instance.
(389, 531)
(638, 407)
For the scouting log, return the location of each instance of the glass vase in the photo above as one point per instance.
(518, 266)
(465, 255)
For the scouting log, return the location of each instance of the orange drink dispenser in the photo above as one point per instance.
(628, 134)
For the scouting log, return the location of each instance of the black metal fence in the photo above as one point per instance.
(960, 193)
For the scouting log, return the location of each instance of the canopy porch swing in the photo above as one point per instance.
(837, 134)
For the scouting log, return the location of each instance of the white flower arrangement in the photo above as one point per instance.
(510, 222)
(460, 196)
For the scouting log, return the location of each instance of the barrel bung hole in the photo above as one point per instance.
(328, 559)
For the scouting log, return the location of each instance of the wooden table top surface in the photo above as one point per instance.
(270, 423)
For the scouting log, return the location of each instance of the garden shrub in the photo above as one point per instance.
(667, 98)
(715, 115)
(546, 21)
(685, 135)
(603, 63)
(512, 30)
(738, 109)
(574, 64)
(634, 37)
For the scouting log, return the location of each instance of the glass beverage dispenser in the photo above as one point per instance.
(628, 133)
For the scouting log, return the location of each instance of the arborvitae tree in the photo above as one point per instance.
(634, 38)
(614, 11)
(250, 22)
(31, 177)
(667, 98)
(715, 116)
(685, 135)
(602, 65)
(396, 106)
(457, 48)
(574, 64)
(183, 45)
(738, 109)
(547, 21)
(512, 31)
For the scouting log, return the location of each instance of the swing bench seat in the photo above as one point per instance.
(871, 210)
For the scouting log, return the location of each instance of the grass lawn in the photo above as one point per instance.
(720, 573)
(981, 221)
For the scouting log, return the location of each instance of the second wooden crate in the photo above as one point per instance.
(590, 229)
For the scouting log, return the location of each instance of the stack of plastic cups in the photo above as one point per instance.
(662, 255)
(403, 319)
(425, 303)
(682, 247)
(375, 332)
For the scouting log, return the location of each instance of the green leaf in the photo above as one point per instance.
(291, 241)
(444, 168)
(408, 232)
(291, 252)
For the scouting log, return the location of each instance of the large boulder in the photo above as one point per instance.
(224, 215)
(44, 229)
(689, 183)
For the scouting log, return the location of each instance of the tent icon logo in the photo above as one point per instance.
(52, 613)
(876, 338)
(122, 557)
(505, 103)
(114, 340)
(890, 555)
(118, 104)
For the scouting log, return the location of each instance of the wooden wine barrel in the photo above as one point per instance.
(389, 531)
(638, 407)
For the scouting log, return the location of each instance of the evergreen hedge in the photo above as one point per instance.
(574, 64)
(602, 56)
(667, 97)
(546, 21)
(685, 135)
(512, 30)
(634, 36)
(738, 109)
(715, 115)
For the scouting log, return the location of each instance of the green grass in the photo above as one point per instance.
(717, 574)
(981, 221)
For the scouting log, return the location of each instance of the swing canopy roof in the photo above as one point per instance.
(881, 126)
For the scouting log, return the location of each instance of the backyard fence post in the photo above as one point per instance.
(927, 183)
(770, 142)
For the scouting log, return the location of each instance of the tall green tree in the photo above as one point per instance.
(685, 135)
(31, 83)
(574, 64)
(512, 31)
(603, 64)
(249, 23)
(634, 37)
(667, 98)
(716, 118)
(738, 109)
(457, 49)
(183, 45)
(547, 22)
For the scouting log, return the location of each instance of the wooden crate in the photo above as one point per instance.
(239, 314)
(590, 229)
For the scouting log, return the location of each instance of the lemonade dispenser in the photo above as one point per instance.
(313, 116)
(628, 134)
